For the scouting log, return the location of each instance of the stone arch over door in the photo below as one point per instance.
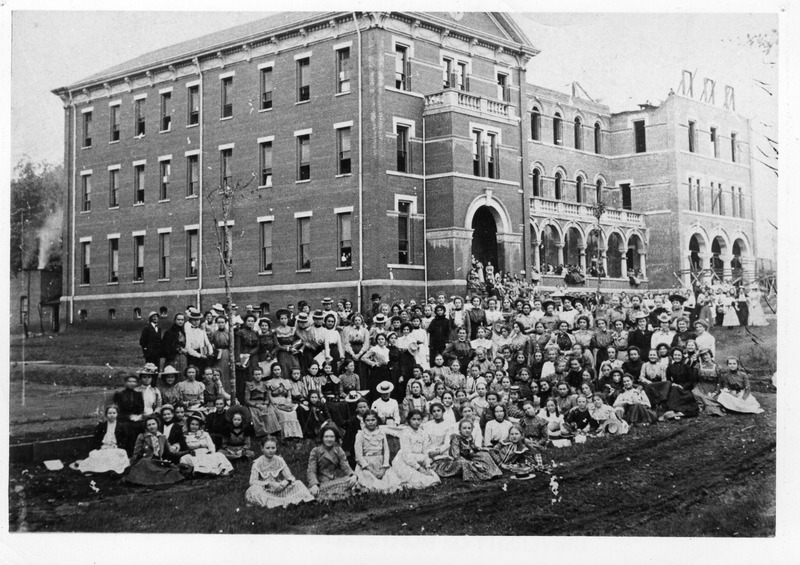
(492, 236)
(615, 254)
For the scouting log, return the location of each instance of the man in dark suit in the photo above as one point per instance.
(150, 340)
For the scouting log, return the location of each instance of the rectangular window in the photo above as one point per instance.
(163, 254)
(402, 69)
(692, 195)
(626, 196)
(343, 151)
(477, 153)
(166, 168)
(714, 143)
(227, 97)
(194, 106)
(343, 70)
(166, 115)
(303, 243)
(192, 175)
(266, 164)
(114, 122)
(492, 157)
(87, 129)
(462, 76)
(344, 228)
(734, 148)
(692, 137)
(721, 200)
(449, 79)
(138, 115)
(266, 246)
(403, 164)
(503, 92)
(113, 260)
(192, 253)
(303, 157)
(266, 88)
(404, 232)
(226, 167)
(699, 189)
(113, 188)
(303, 79)
(138, 258)
(536, 125)
(742, 213)
(640, 136)
(86, 193)
(138, 184)
(86, 259)
(714, 199)
(734, 203)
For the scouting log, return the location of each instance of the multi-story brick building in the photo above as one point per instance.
(377, 152)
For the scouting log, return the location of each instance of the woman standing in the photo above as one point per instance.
(245, 353)
(258, 399)
(756, 315)
(221, 342)
(355, 340)
(267, 346)
(332, 341)
(742, 305)
(377, 359)
(731, 307)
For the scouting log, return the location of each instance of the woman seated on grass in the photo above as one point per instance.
(329, 475)
(148, 465)
(272, 483)
(466, 458)
(236, 442)
(280, 394)
(735, 393)
(632, 404)
(372, 458)
(191, 392)
(497, 429)
(107, 441)
(413, 463)
(203, 457)
(606, 417)
(173, 431)
(516, 454)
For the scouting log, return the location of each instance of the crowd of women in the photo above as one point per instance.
(468, 387)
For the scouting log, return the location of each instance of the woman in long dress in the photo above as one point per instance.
(731, 316)
(735, 395)
(413, 463)
(708, 384)
(287, 349)
(756, 315)
(371, 450)
(329, 475)
(107, 454)
(258, 399)
(466, 458)
(516, 454)
(148, 465)
(281, 400)
(272, 483)
(220, 340)
(203, 457)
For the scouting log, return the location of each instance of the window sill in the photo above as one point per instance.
(85, 211)
(113, 207)
(113, 283)
(162, 201)
(402, 174)
(86, 147)
(140, 136)
(192, 126)
(342, 93)
(407, 92)
(265, 110)
(138, 204)
(190, 197)
(343, 175)
(302, 181)
(264, 273)
(84, 285)
(303, 271)
(163, 280)
(138, 282)
(113, 142)
(165, 130)
(350, 268)
(194, 278)
(407, 267)
(302, 102)
(226, 119)
(270, 186)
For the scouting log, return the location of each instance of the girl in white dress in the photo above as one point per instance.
(757, 317)
(371, 450)
(203, 456)
(107, 454)
(413, 462)
(731, 318)
(272, 483)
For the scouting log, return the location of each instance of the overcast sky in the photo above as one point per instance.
(620, 59)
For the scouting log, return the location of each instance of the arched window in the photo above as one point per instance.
(163, 312)
(83, 315)
(558, 138)
(137, 313)
(536, 124)
(537, 182)
(597, 138)
(559, 182)
(579, 189)
(578, 133)
(599, 191)
(112, 314)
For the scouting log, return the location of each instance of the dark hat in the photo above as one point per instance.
(664, 317)
(375, 296)
(317, 315)
(238, 409)
(547, 303)
(677, 298)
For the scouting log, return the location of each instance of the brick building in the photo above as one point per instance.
(377, 153)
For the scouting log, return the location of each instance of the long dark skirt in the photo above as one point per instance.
(376, 376)
(149, 471)
(682, 400)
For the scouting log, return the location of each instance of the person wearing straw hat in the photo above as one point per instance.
(150, 394)
(203, 457)
(663, 334)
(198, 348)
(150, 340)
(704, 339)
(168, 386)
(387, 408)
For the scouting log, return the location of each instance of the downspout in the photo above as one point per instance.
(526, 244)
(425, 208)
(72, 237)
(360, 289)
(200, 167)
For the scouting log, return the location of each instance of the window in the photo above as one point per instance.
(86, 258)
(343, 70)
(559, 186)
(266, 88)
(114, 122)
(699, 191)
(462, 76)
(138, 258)
(194, 106)
(138, 184)
(163, 254)
(24, 306)
(639, 136)
(493, 157)
(503, 92)
(599, 191)
(714, 199)
(344, 229)
(225, 235)
(303, 157)
(137, 313)
(734, 148)
(303, 80)
(579, 189)
(113, 260)
(86, 193)
(83, 315)
(343, 151)
(721, 200)
(597, 137)
(404, 232)
(741, 204)
(227, 98)
(166, 116)
(112, 314)
(226, 167)
(403, 157)
(536, 124)
(692, 195)
(626, 196)
(477, 153)
(734, 203)
(455, 74)
(558, 138)
(87, 129)
(714, 142)
(537, 182)
(113, 188)
(166, 168)
(138, 115)
(192, 175)
(402, 70)
(303, 243)
(266, 246)
(265, 157)
(192, 253)
(578, 129)
(692, 137)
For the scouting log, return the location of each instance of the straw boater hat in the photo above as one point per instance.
(385, 387)
(639, 315)
(379, 319)
(301, 319)
(169, 407)
(327, 300)
(218, 308)
(195, 415)
(169, 370)
(194, 314)
(151, 314)
(664, 317)
(148, 369)
(353, 396)
(701, 322)
(317, 315)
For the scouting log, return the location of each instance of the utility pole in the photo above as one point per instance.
(597, 211)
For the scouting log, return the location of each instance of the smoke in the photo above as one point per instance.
(49, 236)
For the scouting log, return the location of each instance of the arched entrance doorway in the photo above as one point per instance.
(718, 247)
(572, 245)
(739, 254)
(614, 255)
(633, 258)
(696, 246)
(484, 237)
(549, 248)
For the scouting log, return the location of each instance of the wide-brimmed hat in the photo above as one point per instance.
(148, 369)
(705, 350)
(379, 319)
(677, 298)
(658, 311)
(151, 314)
(327, 300)
(664, 317)
(317, 315)
(701, 322)
(384, 387)
(195, 415)
(639, 315)
(218, 307)
(166, 407)
(194, 314)
(301, 318)
(547, 303)
(169, 370)
(353, 396)
(238, 409)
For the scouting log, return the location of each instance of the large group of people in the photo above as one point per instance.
(470, 387)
